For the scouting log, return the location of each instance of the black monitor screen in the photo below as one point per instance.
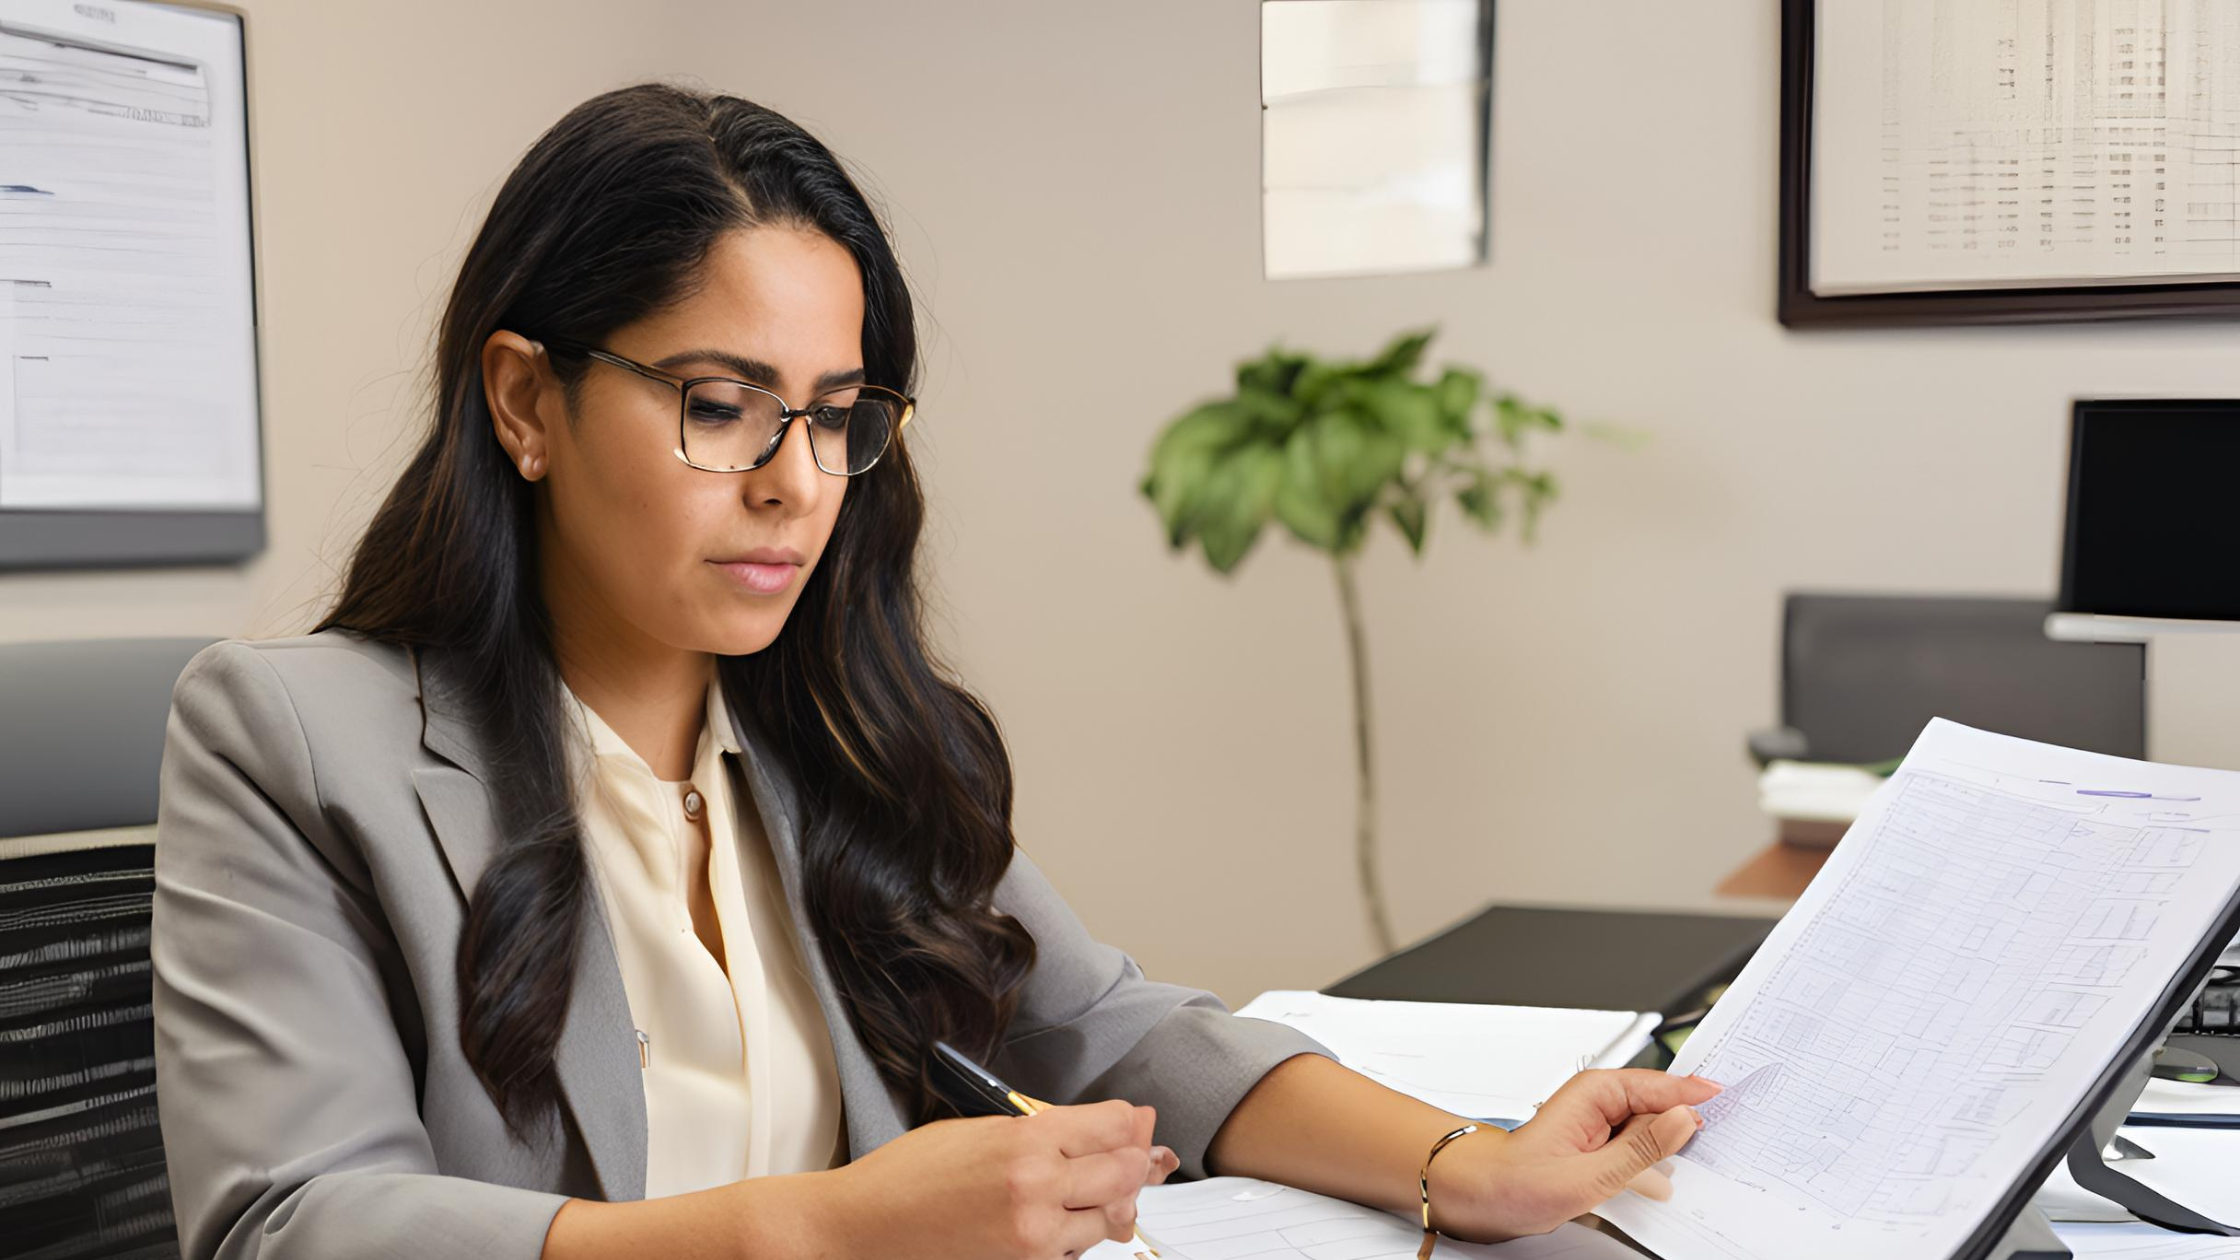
(2154, 510)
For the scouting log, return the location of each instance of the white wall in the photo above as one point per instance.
(1075, 193)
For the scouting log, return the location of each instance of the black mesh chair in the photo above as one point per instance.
(81, 742)
(1862, 674)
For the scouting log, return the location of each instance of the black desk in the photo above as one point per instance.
(1537, 955)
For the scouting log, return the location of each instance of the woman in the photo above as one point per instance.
(595, 879)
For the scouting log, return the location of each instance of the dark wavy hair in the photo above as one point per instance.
(904, 781)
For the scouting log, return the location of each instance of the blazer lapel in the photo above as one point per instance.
(596, 1059)
(458, 808)
(873, 1116)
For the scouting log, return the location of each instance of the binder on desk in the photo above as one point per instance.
(1548, 955)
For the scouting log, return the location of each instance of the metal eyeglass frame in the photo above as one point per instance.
(786, 411)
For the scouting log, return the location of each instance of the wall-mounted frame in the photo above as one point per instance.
(1375, 136)
(1913, 145)
(130, 418)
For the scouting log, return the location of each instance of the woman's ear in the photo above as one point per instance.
(518, 390)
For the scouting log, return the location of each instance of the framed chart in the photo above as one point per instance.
(129, 414)
(1958, 161)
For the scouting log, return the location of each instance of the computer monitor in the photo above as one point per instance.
(2152, 540)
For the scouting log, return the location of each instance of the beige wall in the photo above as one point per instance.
(1074, 190)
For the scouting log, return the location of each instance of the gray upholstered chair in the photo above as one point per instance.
(1862, 674)
(81, 742)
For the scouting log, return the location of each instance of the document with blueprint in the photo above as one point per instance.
(1990, 936)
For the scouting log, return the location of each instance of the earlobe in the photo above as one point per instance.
(512, 387)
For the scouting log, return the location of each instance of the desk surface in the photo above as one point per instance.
(1778, 870)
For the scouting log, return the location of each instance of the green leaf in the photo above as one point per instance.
(1510, 419)
(1412, 515)
(1336, 440)
(1404, 352)
(1620, 436)
(1353, 461)
(1353, 527)
(1181, 459)
(1273, 372)
(1514, 418)
(1479, 504)
(1267, 416)
(1314, 382)
(1537, 490)
(1409, 412)
(1299, 503)
(1457, 392)
(1239, 494)
(1375, 466)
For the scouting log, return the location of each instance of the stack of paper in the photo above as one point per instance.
(2183, 1103)
(1227, 1218)
(1814, 802)
(2191, 1167)
(2144, 1242)
(1479, 1062)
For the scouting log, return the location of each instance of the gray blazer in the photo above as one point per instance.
(323, 818)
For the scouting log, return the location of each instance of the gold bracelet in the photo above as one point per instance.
(1423, 1181)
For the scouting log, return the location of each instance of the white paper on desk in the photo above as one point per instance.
(2144, 1242)
(1227, 1218)
(1480, 1062)
(2062, 1201)
(2194, 1167)
(1914, 1032)
(2185, 1098)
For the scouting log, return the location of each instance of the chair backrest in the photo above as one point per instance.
(81, 731)
(1862, 674)
(81, 743)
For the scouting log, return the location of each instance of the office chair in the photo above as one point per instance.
(1862, 674)
(81, 743)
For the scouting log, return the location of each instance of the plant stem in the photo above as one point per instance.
(1365, 817)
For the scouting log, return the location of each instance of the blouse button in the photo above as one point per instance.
(692, 804)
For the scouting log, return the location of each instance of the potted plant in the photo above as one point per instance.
(1326, 448)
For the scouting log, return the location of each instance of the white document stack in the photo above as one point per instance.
(1987, 939)
(1479, 1062)
(1238, 1218)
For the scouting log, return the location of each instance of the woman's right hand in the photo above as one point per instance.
(1041, 1187)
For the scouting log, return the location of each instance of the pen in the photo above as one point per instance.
(991, 1087)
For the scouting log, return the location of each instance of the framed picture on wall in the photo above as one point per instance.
(1375, 135)
(1952, 161)
(130, 420)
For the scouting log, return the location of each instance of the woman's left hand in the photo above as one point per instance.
(1590, 1140)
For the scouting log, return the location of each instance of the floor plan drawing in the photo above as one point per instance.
(1995, 925)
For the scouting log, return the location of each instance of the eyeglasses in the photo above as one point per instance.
(728, 425)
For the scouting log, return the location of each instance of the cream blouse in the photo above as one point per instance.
(738, 1068)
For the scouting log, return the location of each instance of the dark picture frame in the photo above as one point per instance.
(1799, 306)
